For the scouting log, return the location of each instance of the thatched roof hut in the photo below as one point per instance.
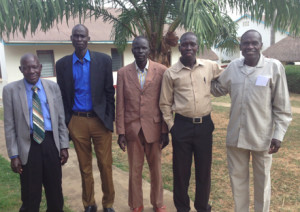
(286, 50)
(208, 54)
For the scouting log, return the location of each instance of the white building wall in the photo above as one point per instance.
(14, 52)
(260, 27)
(11, 54)
(175, 55)
(3, 80)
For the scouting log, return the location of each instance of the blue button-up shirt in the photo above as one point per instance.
(44, 104)
(81, 76)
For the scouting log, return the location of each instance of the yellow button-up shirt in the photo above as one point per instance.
(187, 91)
(260, 105)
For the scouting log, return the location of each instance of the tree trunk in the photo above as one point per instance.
(162, 54)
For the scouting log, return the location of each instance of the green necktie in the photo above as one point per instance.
(37, 117)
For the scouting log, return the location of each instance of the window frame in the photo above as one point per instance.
(50, 52)
(121, 55)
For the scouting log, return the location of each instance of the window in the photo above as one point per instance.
(46, 58)
(117, 60)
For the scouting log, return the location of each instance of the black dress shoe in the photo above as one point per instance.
(108, 210)
(91, 208)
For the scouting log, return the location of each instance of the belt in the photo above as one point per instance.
(90, 114)
(197, 120)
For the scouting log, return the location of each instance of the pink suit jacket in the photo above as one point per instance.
(139, 108)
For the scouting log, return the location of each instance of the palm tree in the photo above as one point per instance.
(155, 19)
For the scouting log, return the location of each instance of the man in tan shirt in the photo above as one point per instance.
(186, 92)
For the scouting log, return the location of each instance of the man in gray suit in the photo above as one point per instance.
(36, 135)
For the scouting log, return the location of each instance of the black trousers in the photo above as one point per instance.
(43, 168)
(192, 139)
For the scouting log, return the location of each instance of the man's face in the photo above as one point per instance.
(80, 38)
(188, 47)
(140, 50)
(250, 46)
(31, 69)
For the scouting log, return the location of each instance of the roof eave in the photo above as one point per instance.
(15, 43)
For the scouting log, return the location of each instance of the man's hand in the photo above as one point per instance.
(64, 155)
(122, 142)
(16, 165)
(275, 145)
(164, 140)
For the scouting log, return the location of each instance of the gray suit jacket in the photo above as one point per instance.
(16, 118)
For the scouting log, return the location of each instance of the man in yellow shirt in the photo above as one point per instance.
(186, 92)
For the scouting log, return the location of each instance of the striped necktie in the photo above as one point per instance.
(37, 117)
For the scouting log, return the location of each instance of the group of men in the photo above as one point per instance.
(40, 117)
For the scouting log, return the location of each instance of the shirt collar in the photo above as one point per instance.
(145, 69)
(28, 86)
(259, 64)
(180, 66)
(86, 57)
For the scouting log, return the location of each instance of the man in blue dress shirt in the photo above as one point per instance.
(36, 135)
(86, 83)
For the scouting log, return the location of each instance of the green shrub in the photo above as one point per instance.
(293, 78)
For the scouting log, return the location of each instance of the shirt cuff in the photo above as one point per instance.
(170, 124)
(278, 135)
(14, 156)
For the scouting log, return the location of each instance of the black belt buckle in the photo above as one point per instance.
(197, 120)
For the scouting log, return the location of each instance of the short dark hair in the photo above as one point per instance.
(186, 34)
(251, 30)
(80, 25)
(138, 38)
(29, 55)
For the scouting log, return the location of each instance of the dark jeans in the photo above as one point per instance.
(43, 168)
(190, 139)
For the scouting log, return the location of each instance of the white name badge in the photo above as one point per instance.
(262, 80)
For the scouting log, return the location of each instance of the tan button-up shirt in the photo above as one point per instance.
(187, 91)
(260, 105)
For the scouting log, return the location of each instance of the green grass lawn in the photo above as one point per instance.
(1, 113)
(10, 190)
(10, 193)
(285, 169)
(295, 100)
(224, 99)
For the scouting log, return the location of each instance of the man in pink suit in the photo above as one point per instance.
(140, 125)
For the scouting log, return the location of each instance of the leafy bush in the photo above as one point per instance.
(293, 78)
